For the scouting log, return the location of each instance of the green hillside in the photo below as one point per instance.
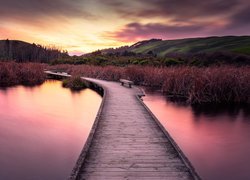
(237, 44)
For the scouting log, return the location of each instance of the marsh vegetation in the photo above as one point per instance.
(193, 85)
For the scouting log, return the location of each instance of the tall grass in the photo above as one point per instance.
(21, 74)
(224, 84)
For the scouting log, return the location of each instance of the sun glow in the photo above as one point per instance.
(85, 26)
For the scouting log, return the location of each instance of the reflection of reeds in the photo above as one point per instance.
(224, 84)
(26, 74)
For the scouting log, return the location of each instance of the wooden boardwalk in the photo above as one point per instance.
(127, 142)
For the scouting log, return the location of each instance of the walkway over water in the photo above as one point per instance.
(127, 141)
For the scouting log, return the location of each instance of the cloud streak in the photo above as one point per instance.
(189, 18)
(99, 24)
(135, 31)
(41, 8)
(178, 9)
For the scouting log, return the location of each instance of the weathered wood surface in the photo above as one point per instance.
(128, 143)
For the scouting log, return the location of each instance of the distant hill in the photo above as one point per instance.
(231, 44)
(226, 50)
(20, 51)
(234, 44)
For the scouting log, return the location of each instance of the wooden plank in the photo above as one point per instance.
(137, 175)
(128, 142)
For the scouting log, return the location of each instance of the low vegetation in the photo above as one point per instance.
(21, 74)
(75, 83)
(225, 84)
(150, 59)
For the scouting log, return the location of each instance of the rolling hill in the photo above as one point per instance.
(234, 44)
(161, 48)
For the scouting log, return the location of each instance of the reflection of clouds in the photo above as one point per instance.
(41, 123)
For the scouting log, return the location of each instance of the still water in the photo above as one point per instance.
(215, 140)
(43, 130)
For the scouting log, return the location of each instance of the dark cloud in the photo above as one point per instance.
(174, 8)
(204, 18)
(234, 11)
(136, 31)
(165, 19)
(242, 17)
(40, 8)
(188, 8)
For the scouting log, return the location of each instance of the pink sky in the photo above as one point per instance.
(82, 26)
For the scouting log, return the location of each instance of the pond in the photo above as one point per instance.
(43, 130)
(215, 139)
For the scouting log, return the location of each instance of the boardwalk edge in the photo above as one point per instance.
(99, 88)
(79, 163)
(174, 144)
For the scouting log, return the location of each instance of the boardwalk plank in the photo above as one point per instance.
(129, 143)
(128, 136)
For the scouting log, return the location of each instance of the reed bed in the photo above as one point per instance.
(21, 74)
(193, 85)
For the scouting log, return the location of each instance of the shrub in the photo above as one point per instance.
(21, 73)
(171, 62)
(75, 83)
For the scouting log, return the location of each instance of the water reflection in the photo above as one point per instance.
(232, 111)
(215, 139)
(43, 130)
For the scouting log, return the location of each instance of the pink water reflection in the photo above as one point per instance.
(43, 130)
(216, 142)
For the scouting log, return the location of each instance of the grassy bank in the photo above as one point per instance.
(221, 85)
(21, 74)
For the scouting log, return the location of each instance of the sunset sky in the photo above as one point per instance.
(81, 26)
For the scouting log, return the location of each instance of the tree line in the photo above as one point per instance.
(25, 52)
